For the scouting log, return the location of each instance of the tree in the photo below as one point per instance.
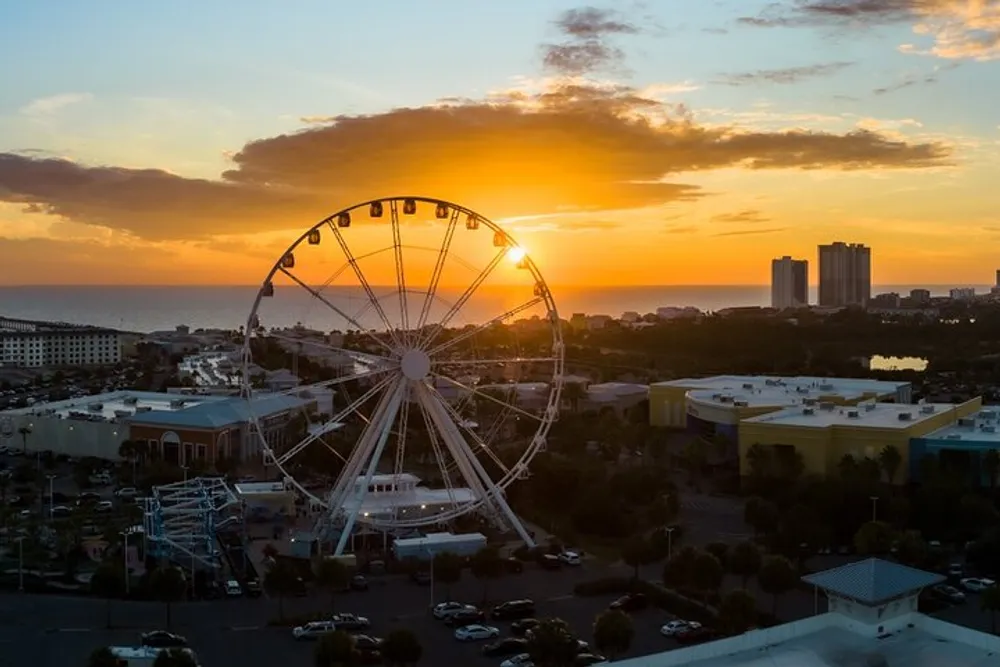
(744, 561)
(280, 581)
(24, 432)
(708, 573)
(487, 565)
(401, 648)
(572, 394)
(552, 644)
(720, 550)
(336, 649)
(613, 633)
(168, 587)
(333, 576)
(889, 460)
(108, 582)
(636, 552)
(662, 510)
(874, 538)
(679, 570)
(991, 466)
(175, 657)
(737, 612)
(990, 601)
(911, 548)
(777, 576)
(102, 657)
(761, 515)
(447, 570)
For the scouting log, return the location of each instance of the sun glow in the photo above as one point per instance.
(516, 253)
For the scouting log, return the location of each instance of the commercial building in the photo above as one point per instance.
(715, 405)
(845, 274)
(31, 344)
(179, 429)
(823, 433)
(789, 283)
(872, 620)
(964, 444)
(962, 293)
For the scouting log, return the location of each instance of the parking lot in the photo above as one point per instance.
(50, 630)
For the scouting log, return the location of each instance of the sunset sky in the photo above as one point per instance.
(664, 142)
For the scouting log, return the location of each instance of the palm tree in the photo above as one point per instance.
(401, 648)
(760, 461)
(280, 581)
(613, 633)
(102, 657)
(486, 565)
(889, 459)
(333, 576)
(168, 587)
(24, 432)
(991, 466)
(572, 394)
(777, 576)
(108, 582)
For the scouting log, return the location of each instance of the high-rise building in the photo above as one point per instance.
(789, 283)
(998, 278)
(845, 274)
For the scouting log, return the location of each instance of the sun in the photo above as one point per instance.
(516, 253)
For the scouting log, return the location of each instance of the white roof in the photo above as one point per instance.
(821, 385)
(440, 538)
(618, 388)
(828, 641)
(982, 427)
(867, 415)
(375, 503)
(86, 407)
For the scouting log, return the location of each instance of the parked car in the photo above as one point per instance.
(313, 630)
(676, 627)
(350, 622)
(471, 633)
(421, 577)
(977, 584)
(162, 639)
(948, 593)
(443, 610)
(549, 562)
(359, 583)
(513, 565)
(127, 492)
(630, 602)
(513, 610)
(519, 660)
(524, 626)
(587, 659)
(470, 616)
(696, 635)
(104, 507)
(254, 589)
(233, 589)
(571, 558)
(506, 647)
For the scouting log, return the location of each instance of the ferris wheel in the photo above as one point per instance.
(433, 354)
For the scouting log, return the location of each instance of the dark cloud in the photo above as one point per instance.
(784, 75)
(584, 45)
(748, 232)
(912, 80)
(588, 146)
(745, 216)
(680, 229)
(825, 12)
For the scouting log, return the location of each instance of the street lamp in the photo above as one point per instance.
(670, 540)
(431, 554)
(52, 497)
(874, 500)
(124, 535)
(185, 469)
(20, 563)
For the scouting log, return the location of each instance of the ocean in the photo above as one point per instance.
(157, 308)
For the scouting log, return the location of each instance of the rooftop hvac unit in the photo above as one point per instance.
(121, 414)
(741, 404)
(853, 414)
(966, 422)
(927, 409)
(177, 404)
(808, 411)
(771, 382)
(802, 390)
(143, 408)
(826, 405)
(953, 436)
(725, 398)
(987, 414)
(905, 416)
(130, 400)
(869, 407)
(809, 401)
(96, 407)
(826, 386)
(989, 429)
(748, 385)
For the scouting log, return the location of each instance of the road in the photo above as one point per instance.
(46, 631)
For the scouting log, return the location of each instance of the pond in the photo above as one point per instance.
(880, 363)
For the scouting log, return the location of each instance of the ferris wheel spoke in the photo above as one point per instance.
(483, 394)
(479, 362)
(442, 257)
(328, 425)
(463, 425)
(350, 320)
(499, 319)
(352, 260)
(404, 418)
(466, 295)
(326, 384)
(355, 355)
(443, 467)
(397, 247)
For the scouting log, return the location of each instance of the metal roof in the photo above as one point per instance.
(873, 581)
(218, 414)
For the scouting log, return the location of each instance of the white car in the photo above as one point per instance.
(127, 492)
(448, 609)
(570, 558)
(674, 628)
(313, 630)
(233, 589)
(104, 506)
(519, 660)
(977, 584)
(472, 633)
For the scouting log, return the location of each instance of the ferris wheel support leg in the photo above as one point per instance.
(385, 421)
(460, 451)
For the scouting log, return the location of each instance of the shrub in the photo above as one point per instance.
(675, 603)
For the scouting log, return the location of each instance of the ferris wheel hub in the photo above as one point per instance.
(416, 364)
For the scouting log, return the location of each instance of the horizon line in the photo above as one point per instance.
(415, 287)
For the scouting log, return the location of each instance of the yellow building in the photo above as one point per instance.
(823, 434)
(715, 405)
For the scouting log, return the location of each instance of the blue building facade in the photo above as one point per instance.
(964, 454)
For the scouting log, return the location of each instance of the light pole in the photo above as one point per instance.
(874, 500)
(185, 469)
(20, 564)
(124, 535)
(429, 553)
(670, 541)
(52, 498)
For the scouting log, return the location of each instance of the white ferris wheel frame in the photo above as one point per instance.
(406, 377)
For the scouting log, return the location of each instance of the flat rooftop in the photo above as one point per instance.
(213, 369)
(983, 427)
(114, 405)
(818, 385)
(865, 415)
